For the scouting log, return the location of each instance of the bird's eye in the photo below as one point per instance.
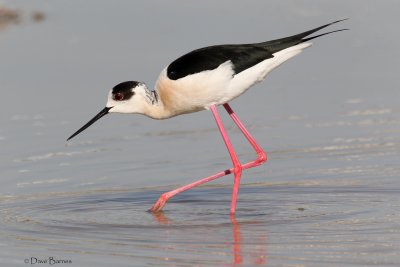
(118, 96)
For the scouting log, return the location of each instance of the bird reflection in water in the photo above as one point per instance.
(252, 251)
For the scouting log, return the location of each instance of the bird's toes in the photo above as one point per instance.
(157, 207)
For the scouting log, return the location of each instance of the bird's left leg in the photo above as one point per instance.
(237, 167)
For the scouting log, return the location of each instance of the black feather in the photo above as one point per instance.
(209, 58)
(242, 56)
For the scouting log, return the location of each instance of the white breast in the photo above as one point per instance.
(195, 92)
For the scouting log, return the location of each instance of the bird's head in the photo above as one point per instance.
(126, 97)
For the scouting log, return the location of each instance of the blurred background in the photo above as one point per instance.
(59, 59)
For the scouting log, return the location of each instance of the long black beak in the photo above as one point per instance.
(103, 112)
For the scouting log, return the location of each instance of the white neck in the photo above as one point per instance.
(153, 106)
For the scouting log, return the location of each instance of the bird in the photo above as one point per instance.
(204, 79)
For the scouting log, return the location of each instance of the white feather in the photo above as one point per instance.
(247, 78)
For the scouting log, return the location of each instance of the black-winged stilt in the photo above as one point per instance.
(202, 80)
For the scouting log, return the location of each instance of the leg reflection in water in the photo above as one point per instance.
(247, 249)
(256, 252)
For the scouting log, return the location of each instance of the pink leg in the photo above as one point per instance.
(237, 167)
(262, 156)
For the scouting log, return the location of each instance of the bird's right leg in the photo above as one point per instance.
(261, 154)
(158, 206)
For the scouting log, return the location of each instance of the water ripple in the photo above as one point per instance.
(115, 223)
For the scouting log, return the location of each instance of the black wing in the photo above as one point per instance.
(209, 58)
(242, 56)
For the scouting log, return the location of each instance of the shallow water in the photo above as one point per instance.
(330, 121)
(278, 225)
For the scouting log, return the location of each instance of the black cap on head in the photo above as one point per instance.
(123, 91)
(125, 86)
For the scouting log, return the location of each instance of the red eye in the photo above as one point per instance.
(118, 96)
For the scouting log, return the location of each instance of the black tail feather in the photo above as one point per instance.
(322, 34)
(307, 33)
(283, 43)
